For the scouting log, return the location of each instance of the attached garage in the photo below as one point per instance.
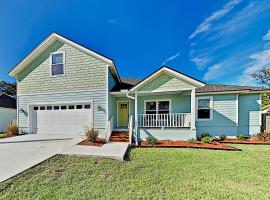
(66, 118)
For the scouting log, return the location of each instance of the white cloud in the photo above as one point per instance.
(229, 59)
(207, 23)
(171, 58)
(213, 72)
(200, 61)
(267, 36)
(259, 60)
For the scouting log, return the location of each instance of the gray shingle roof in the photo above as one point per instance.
(131, 81)
(127, 83)
(225, 88)
(6, 101)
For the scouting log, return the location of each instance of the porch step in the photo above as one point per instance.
(119, 136)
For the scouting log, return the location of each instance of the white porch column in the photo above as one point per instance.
(136, 117)
(193, 109)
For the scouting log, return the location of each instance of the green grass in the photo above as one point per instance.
(150, 174)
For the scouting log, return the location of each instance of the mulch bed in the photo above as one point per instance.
(186, 144)
(245, 141)
(100, 142)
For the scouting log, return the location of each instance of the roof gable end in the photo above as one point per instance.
(49, 41)
(164, 73)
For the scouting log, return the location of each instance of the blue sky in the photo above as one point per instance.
(214, 41)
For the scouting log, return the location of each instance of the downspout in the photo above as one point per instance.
(136, 115)
(128, 96)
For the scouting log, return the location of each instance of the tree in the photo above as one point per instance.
(263, 76)
(8, 88)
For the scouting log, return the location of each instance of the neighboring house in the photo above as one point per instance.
(64, 88)
(8, 112)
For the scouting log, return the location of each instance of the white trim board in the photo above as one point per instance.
(63, 92)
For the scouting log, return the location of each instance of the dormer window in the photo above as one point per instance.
(57, 63)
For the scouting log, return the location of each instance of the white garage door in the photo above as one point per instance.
(62, 119)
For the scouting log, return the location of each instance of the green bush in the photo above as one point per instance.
(240, 136)
(92, 135)
(151, 140)
(207, 139)
(222, 137)
(205, 134)
(262, 136)
(192, 140)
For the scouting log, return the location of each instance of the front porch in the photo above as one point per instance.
(162, 115)
(161, 105)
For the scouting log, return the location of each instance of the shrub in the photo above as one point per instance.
(12, 130)
(222, 137)
(205, 134)
(92, 135)
(240, 136)
(151, 140)
(262, 136)
(207, 139)
(192, 140)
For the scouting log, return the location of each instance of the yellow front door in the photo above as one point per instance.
(123, 112)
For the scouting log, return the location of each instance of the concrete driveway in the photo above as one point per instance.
(17, 154)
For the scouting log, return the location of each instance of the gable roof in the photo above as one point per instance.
(178, 74)
(7, 101)
(50, 40)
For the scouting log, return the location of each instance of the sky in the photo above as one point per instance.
(215, 41)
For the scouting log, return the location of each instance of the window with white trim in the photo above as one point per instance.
(204, 108)
(157, 107)
(57, 63)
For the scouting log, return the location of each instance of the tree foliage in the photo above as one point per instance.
(7, 88)
(263, 76)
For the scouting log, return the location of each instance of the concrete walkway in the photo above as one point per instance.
(20, 153)
(113, 150)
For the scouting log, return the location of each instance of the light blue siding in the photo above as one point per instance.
(249, 114)
(99, 98)
(224, 116)
(166, 134)
(111, 80)
(111, 84)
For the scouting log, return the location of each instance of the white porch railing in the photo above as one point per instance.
(130, 129)
(165, 120)
(109, 129)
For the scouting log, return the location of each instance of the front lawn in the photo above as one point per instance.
(150, 174)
